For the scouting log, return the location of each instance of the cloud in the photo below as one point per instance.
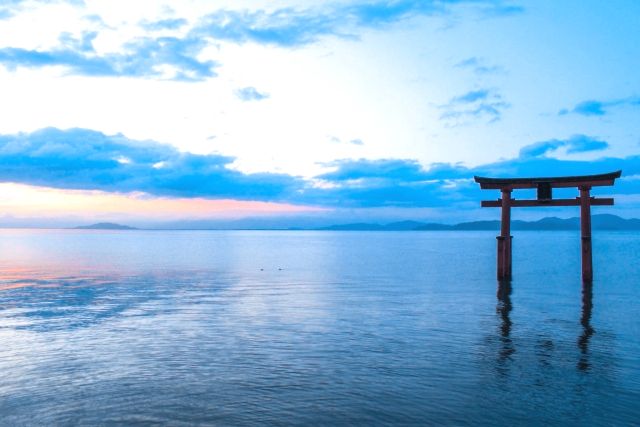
(600, 108)
(384, 182)
(353, 170)
(141, 57)
(164, 24)
(405, 183)
(478, 66)
(250, 94)
(590, 108)
(85, 159)
(502, 9)
(5, 13)
(289, 27)
(8, 8)
(88, 160)
(575, 144)
(180, 57)
(547, 166)
(356, 141)
(283, 27)
(471, 97)
(485, 104)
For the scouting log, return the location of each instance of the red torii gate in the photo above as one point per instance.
(544, 187)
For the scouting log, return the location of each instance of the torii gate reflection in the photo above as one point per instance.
(545, 198)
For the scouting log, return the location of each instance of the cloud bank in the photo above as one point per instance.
(85, 159)
(90, 160)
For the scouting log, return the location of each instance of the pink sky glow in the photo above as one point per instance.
(29, 201)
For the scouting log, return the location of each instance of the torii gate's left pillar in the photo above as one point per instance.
(585, 233)
(505, 238)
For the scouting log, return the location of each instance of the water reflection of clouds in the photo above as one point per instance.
(280, 298)
(45, 302)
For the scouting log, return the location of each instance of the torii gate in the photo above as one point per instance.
(544, 187)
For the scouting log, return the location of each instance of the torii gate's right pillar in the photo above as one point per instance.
(585, 233)
(505, 239)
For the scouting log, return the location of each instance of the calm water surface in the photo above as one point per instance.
(340, 328)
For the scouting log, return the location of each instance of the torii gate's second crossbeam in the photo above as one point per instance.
(545, 187)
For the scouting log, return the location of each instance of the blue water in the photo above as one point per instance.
(316, 328)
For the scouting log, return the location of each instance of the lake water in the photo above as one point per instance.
(308, 328)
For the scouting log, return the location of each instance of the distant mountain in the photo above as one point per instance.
(358, 226)
(614, 222)
(433, 226)
(394, 226)
(480, 225)
(104, 226)
(598, 222)
(403, 225)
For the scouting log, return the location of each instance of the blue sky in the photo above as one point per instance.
(376, 110)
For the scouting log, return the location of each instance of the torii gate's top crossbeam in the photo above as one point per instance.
(544, 186)
(604, 179)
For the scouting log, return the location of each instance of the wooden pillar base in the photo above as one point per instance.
(504, 257)
(508, 253)
(587, 263)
